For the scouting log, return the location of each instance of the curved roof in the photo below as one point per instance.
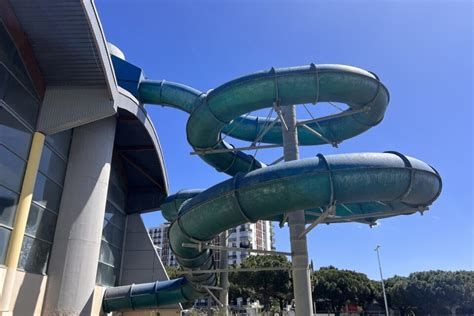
(138, 145)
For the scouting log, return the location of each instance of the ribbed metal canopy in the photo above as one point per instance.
(62, 40)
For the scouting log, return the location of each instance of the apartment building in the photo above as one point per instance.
(259, 235)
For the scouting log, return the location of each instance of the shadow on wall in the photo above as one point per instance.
(29, 293)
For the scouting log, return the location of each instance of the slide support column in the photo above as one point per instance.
(296, 223)
(224, 263)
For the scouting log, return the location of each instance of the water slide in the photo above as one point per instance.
(361, 187)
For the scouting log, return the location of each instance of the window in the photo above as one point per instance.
(110, 257)
(10, 56)
(107, 275)
(13, 134)
(8, 204)
(44, 210)
(4, 239)
(52, 165)
(113, 215)
(41, 223)
(60, 143)
(112, 234)
(19, 99)
(34, 255)
(110, 254)
(19, 106)
(47, 193)
(12, 168)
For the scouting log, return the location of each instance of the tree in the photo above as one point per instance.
(266, 286)
(334, 288)
(397, 295)
(432, 292)
(173, 272)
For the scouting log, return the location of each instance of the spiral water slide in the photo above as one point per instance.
(360, 187)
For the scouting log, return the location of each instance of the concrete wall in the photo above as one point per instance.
(73, 262)
(140, 262)
(97, 301)
(28, 292)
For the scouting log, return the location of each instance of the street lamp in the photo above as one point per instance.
(381, 279)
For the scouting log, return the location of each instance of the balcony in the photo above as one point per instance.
(246, 245)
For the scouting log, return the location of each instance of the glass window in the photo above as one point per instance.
(110, 254)
(113, 215)
(6, 45)
(21, 102)
(60, 142)
(107, 275)
(4, 239)
(34, 255)
(117, 177)
(47, 193)
(10, 56)
(13, 134)
(18, 68)
(52, 165)
(112, 234)
(41, 223)
(113, 229)
(11, 169)
(8, 204)
(116, 195)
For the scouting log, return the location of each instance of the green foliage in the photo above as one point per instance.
(432, 292)
(334, 288)
(266, 286)
(173, 272)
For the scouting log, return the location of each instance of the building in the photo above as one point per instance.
(257, 235)
(79, 161)
(159, 237)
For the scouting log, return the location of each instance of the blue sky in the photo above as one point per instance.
(422, 51)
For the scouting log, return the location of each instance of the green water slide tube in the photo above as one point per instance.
(361, 187)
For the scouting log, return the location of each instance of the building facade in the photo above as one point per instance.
(259, 235)
(79, 162)
(159, 237)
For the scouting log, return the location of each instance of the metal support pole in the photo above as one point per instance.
(224, 263)
(381, 279)
(201, 246)
(296, 222)
(233, 270)
(213, 296)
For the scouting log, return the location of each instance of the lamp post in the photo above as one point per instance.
(381, 279)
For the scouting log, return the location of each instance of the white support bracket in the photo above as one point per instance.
(342, 114)
(207, 288)
(235, 270)
(280, 115)
(265, 131)
(226, 150)
(333, 144)
(277, 161)
(330, 210)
